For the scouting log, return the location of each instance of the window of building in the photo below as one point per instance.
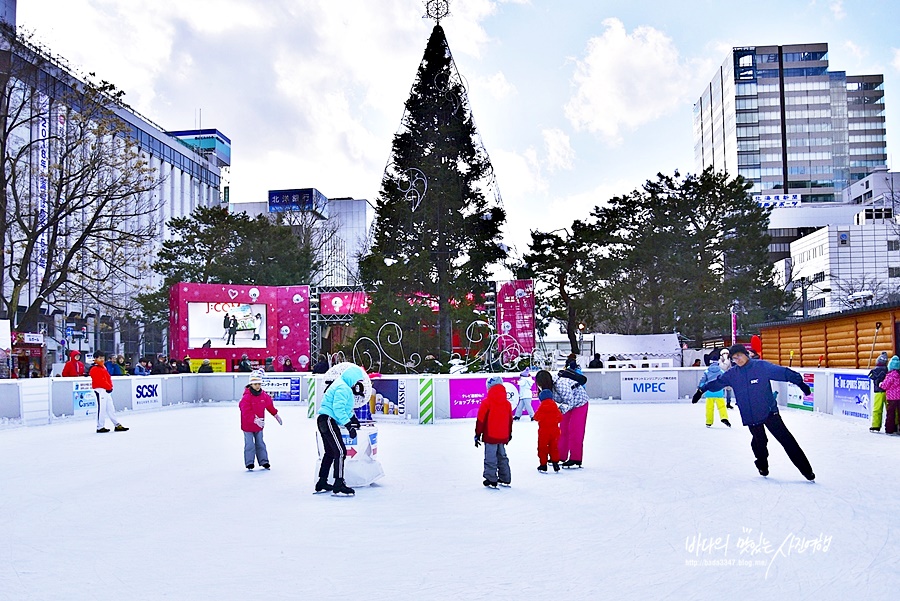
(893, 245)
(894, 272)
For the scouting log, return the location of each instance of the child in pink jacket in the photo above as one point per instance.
(254, 405)
(891, 387)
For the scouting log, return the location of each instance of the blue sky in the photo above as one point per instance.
(576, 100)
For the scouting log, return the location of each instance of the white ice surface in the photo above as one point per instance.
(167, 511)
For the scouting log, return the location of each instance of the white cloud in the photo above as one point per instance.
(837, 9)
(857, 52)
(496, 85)
(628, 79)
(560, 153)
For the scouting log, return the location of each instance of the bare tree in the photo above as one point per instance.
(855, 292)
(76, 194)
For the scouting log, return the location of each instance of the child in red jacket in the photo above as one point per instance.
(548, 417)
(254, 405)
(493, 426)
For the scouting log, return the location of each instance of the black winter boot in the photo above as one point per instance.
(341, 489)
(323, 486)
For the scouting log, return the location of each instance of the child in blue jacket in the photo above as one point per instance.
(714, 397)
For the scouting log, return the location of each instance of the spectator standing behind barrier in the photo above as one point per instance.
(714, 397)
(141, 369)
(205, 367)
(244, 365)
(891, 386)
(595, 363)
(569, 393)
(321, 365)
(101, 382)
(73, 368)
(288, 365)
(113, 368)
(877, 375)
(752, 380)
(185, 366)
(161, 367)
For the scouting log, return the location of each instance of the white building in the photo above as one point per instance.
(342, 223)
(187, 179)
(846, 266)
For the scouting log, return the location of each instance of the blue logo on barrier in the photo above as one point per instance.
(649, 387)
(146, 391)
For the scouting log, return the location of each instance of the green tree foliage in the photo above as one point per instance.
(214, 246)
(673, 255)
(436, 232)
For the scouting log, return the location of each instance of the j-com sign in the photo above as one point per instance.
(649, 386)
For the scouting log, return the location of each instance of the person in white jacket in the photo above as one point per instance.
(525, 384)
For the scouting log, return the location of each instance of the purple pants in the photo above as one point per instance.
(571, 433)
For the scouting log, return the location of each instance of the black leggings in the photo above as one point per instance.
(335, 451)
(783, 435)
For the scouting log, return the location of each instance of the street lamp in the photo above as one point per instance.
(806, 284)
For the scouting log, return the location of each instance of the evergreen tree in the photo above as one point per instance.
(436, 232)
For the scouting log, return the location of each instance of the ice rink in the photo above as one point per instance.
(664, 509)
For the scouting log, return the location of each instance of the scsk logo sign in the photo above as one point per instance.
(146, 393)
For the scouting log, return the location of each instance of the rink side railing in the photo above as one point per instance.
(425, 397)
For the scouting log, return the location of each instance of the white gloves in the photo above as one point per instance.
(278, 419)
(260, 422)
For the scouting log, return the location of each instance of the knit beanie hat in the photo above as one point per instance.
(894, 364)
(882, 358)
(493, 381)
(256, 377)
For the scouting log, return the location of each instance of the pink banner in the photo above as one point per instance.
(515, 313)
(343, 303)
(466, 395)
(222, 321)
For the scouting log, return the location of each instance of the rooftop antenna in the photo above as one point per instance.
(437, 10)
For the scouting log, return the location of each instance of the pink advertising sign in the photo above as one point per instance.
(343, 303)
(466, 395)
(223, 321)
(515, 313)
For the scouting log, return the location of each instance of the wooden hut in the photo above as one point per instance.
(849, 339)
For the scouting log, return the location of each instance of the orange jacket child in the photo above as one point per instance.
(548, 417)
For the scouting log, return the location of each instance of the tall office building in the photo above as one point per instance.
(187, 168)
(800, 133)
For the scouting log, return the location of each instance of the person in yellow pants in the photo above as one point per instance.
(877, 375)
(714, 398)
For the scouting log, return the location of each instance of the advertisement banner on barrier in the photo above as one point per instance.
(389, 397)
(84, 400)
(649, 386)
(796, 398)
(465, 396)
(282, 388)
(146, 393)
(852, 394)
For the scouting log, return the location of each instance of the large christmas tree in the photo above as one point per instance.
(438, 214)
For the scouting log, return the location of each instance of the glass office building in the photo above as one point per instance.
(780, 118)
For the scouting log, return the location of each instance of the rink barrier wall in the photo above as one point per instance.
(43, 400)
